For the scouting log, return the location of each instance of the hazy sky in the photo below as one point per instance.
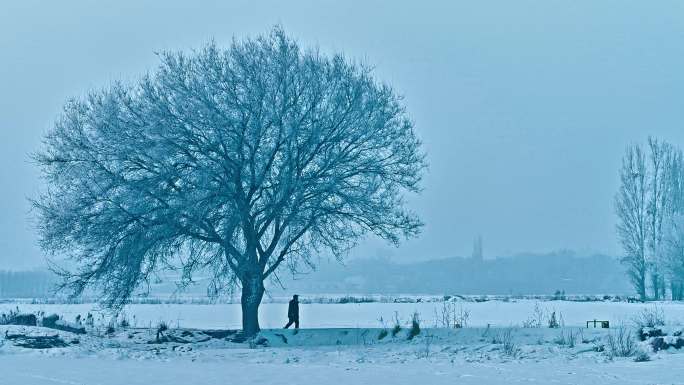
(525, 107)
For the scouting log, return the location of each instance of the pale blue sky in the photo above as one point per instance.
(525, 107)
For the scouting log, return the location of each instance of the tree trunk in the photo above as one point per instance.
(252, 293)
(677, 289)
(641, 287)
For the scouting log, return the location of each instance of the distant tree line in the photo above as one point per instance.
(650, 209)
(26, 284)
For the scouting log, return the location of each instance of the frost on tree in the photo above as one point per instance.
(649, 205)
(235, 161)
(630, 206)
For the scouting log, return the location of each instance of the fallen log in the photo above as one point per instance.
(36, 342)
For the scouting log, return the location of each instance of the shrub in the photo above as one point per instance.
(383, 334)
(536, 320)
(124, 323)
(650, 317)
(649, 332)
(397, 325)
(505, 338)
(570, 338)
(620, 343)
(14, 317)
(452, 316)
(90, 320)
(161, 328)
(415, 326)
(553, 322)
(641, 356)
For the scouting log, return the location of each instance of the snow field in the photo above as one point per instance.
(367, 315)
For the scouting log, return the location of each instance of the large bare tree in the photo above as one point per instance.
(237, 161)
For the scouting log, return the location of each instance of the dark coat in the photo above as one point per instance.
(293, 309)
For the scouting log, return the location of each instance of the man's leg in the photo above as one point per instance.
(296, 322)
(289, 323)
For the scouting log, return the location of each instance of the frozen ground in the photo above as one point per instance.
(345, 356)
(60, 370)
(367, 315)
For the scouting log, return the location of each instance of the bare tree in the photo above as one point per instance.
(658, 180)
(659, 209)
(631, 204)
(237, 161)
(673, 246)
(672, 250)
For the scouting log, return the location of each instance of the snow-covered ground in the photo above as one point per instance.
(340, 343)
(345, 356)
(26, 370)
(367, 315)
(58, 370)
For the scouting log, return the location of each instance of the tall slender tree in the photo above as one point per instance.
(631, 205)
(237, 161)
(672, 250)
(659, 209)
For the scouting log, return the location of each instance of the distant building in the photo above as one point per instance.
(477, 249)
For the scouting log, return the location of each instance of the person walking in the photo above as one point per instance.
(293, 312)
